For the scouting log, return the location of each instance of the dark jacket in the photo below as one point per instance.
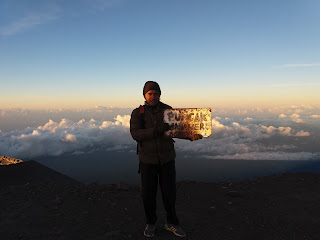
(151, 149)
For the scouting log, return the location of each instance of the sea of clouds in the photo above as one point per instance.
(282, 133)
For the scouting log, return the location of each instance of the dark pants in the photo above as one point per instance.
(150, 173)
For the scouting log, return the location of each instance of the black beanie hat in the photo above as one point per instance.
(150, 85)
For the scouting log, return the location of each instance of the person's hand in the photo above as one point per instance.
(195, 137)
(163, 127)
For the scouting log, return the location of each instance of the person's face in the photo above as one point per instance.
(152, 97)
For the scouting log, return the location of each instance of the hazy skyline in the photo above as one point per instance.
(82, 54)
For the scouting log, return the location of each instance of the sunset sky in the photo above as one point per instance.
(87, 53)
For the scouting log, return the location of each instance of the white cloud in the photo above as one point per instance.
(299, 65)
(242, 141)
(103, 109)
(36, 133)
(295, 115)
(65, 123)
(282, 115)
(269, 129)
(3, 113)
(48, 11)
(80, 133)
(269, 156)
(70, 138)
(302, 134)
(315, 116)
(298, 120)
(81, 122)
(105, 125)
(216, 125)
(78, 153)
(54, 138)
(51, 126)
(295, 84)
(118, 148)
(30, 21)
(123, 120)
(286, 131)
(308, 106)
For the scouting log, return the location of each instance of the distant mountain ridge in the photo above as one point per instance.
(5, 160)
(31, 172)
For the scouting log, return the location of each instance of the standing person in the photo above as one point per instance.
(157, 159)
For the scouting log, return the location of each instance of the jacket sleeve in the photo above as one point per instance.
(137, 131)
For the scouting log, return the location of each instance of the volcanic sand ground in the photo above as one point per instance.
(274, 207)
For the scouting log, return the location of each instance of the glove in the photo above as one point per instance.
(195, 137)
(163, 127)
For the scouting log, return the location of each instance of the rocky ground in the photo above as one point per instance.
(274, 207)
(5, 160)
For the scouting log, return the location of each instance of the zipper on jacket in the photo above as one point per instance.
(158, 144)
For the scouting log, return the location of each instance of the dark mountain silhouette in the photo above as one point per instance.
(30, 172)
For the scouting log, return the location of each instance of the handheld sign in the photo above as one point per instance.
(186, 122)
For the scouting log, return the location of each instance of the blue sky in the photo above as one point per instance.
(203, 53)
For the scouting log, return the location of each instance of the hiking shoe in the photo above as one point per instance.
(175, 229)
(149, 230)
